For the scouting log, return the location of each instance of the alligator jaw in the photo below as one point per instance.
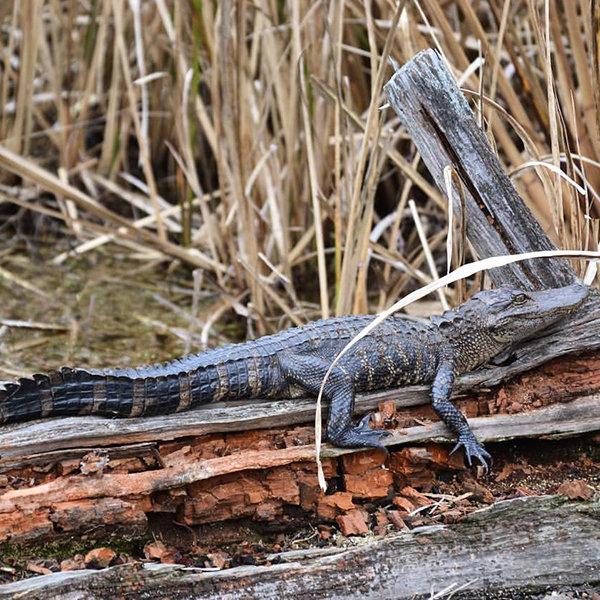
(557, 302)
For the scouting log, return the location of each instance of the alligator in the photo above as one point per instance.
(293, 363)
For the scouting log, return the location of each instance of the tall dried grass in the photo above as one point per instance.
(245, 138)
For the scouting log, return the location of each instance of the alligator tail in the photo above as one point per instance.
(146, 391)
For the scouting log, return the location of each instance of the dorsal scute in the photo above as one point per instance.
(10, 388)
(26, 384)
(447, 319)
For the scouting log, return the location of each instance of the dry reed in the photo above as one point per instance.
(245, 138)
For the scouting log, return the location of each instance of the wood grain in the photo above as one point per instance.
(511, 546)
(443, 128)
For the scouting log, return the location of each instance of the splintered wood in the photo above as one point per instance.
(261, 474)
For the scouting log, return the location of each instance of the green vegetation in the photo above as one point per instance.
(68, 548)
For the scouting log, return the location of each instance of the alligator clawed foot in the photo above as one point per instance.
(360, 436)
(473, 449)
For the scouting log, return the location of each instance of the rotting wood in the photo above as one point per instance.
(113, 452)
(558, 420)
(443, 128)
(512, 545)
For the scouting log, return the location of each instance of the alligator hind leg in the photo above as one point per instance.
(308, 373)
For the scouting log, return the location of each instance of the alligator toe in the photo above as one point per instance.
(360, 436)
(473, 449)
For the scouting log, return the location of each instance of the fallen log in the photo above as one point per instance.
(31, 441)
(511, 546)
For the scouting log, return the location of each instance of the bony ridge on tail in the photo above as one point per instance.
(293, 363)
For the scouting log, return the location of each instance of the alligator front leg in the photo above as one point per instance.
(308, 372)
(453, 418)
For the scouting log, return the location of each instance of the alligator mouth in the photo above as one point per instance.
(555, 302)
(562, 299)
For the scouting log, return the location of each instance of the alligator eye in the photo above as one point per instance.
(519, 298)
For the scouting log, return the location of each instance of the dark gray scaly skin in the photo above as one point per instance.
(293, 363)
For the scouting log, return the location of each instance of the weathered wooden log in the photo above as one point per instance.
(512, 545)
(443, 128)
(31, 441)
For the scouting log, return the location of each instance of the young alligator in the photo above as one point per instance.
(293, 363)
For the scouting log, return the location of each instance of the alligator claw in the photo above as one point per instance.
(361, 436)
(473, 448)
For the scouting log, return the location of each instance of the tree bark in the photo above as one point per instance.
(443, 128)
(523, 545)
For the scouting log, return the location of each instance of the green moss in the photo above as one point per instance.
(67, 548)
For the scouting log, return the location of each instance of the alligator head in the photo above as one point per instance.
(494, 320)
